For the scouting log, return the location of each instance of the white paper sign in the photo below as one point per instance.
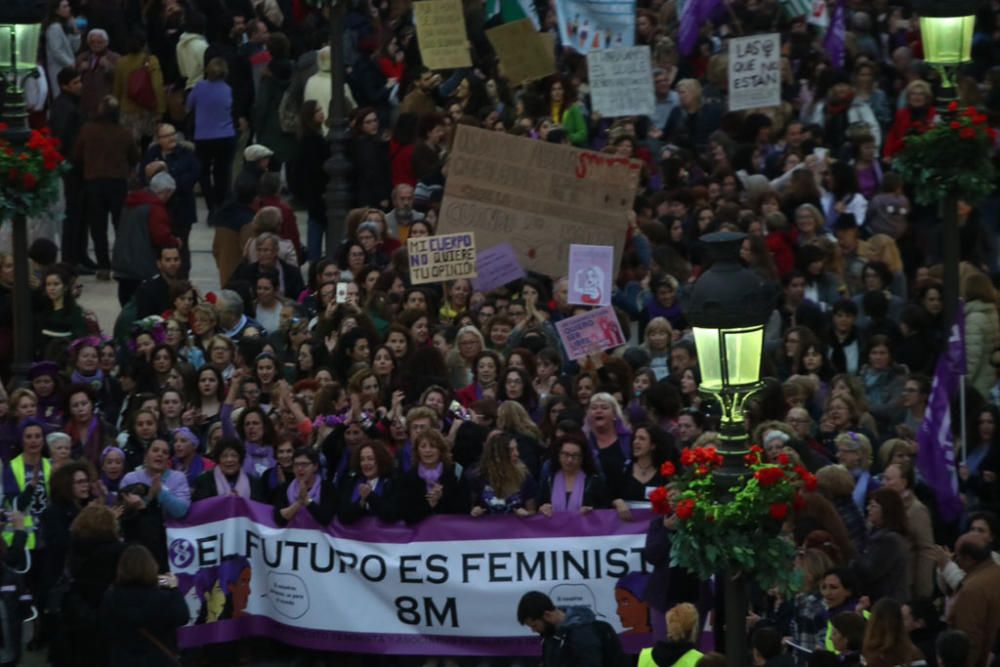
(621, 82)
(590, 269)
(754, 72)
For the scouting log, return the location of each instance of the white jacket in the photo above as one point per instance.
(860, 112)
(191, 57)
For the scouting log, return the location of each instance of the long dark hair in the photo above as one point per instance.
(307, 120)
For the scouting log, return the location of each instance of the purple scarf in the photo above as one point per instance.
(241, 488)
(293, 490)
(575, 502)
(196, 468)
(95, 381)
(258, 456)
(431, 475)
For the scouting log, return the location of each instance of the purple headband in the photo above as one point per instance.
(111, 450)
(634, 583)
(27, 423)
(187, 434)
(92, 341)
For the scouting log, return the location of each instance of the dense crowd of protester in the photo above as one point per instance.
(332, 385)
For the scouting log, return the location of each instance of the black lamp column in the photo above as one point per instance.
(15, 115)
(338, 166)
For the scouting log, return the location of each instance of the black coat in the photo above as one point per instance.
(413, 491)
(204, 487)
(382, 504)
(323, 511)
(248, 272)
(152, 297)
(595, 492)
(372, 178)
(92, 565)
(126, 612)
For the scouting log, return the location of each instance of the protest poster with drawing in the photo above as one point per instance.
(594, 331)
(590, 268)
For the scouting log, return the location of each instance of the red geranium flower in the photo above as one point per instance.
(810, 482)
(685, 509)
(687, 457)
(668, 469)
(659, 501)
(953, 106)
(702, 470)
(769, 476)
(779, 511)
(783, 459)
(799, 502)
(955, 124)
(967, 133)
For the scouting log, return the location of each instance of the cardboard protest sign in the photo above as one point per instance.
(590, 25)
(525, 54)
(590, 274)
(537, 196)
(621, 82)
(441, 34)
(754, 72)
(496, 267)
(445, 257)
(594, 331)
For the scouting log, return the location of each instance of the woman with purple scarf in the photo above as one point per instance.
(369, 487)
(227, 478)
(306, 490)
(576, 486)
(253, 428)
(434, 485)
(149, 493)
(187, 460)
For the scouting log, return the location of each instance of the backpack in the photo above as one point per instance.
(139, 87)
(132, 257)
(288, 113)
(612, 654)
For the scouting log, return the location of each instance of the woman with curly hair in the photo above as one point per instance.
(502, 484)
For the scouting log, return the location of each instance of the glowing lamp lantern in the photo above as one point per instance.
(946, 30)
(20, 33)
(727, 309)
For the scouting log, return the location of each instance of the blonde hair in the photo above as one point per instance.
(920, 86)
(605, 397)
(883, 248)
(977, 287)
(856, 442)
(682, 623)
(815, 564)
(891, 446)
(512, 417)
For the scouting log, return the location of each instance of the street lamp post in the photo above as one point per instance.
(946, 28)
(727, 308)
(20, 31)
(338, 166)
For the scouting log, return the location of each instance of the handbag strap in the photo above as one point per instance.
(160, 645)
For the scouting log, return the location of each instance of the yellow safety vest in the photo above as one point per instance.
(689, 659)
(828, 644)
(18, 469)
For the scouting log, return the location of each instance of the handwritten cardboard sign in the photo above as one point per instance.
(525, 54)
(754, 72)
(434, 259)
(496, 267)
(594, 331)
(441, 34)
(590, 274)
(539, 197)
(621, 82)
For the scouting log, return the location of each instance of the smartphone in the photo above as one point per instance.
(341, 292)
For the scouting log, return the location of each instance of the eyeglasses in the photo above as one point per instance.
(570, 457)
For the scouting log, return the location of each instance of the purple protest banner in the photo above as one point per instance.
(590, 272)
(693, 13)
(496, 267)
(448, 586)
(834, 43)
(936, 453)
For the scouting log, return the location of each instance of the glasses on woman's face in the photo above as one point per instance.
(570, 456)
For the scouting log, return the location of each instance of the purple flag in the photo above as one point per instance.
(833, 42)
(693, 14)
(936, 453)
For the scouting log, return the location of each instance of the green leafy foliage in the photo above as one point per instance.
(951, 157)
(29, 176)
(737, 530)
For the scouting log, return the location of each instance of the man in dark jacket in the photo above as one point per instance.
(65, 120)
(570, 636)
(153, 295)
(177, 159)
(267, 260)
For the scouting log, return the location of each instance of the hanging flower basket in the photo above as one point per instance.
(736, 530)
(29, 176)
(952, 157)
